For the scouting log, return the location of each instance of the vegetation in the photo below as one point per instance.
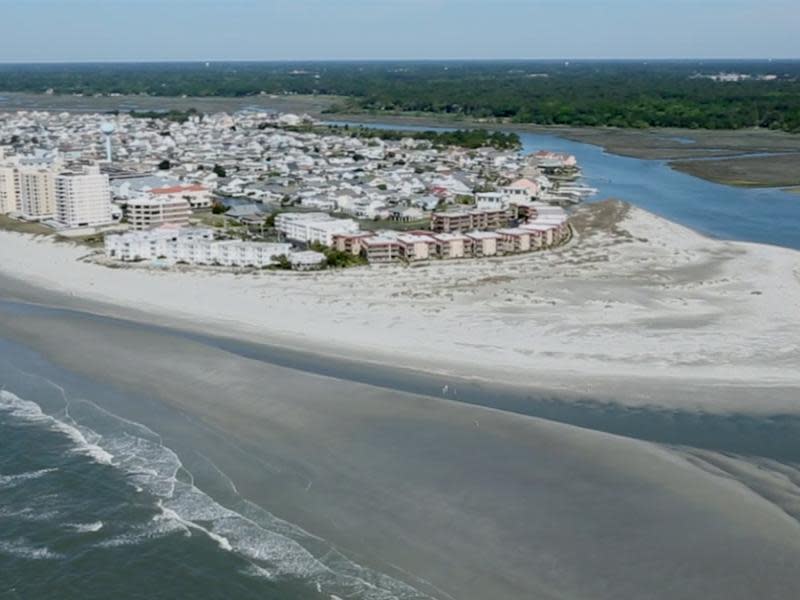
(282, 262)
(219, 171)
(218, 208)
(589, 93)
(337, 259)
(177, 116)
(164, 165)
(465, 138)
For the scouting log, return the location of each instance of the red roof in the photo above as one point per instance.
(177, 189)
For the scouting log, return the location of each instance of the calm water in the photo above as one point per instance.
(768, 216)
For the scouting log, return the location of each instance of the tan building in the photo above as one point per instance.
(36, 189)
(446, 222)
(9, 198)
(485, 243)
(515, 240)
(414, 246)
(379, 249)
(452, 245)
(147, 212)
(350, 242)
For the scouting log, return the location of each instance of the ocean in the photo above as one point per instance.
(93, 505)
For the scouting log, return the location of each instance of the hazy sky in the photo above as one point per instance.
(41, 30)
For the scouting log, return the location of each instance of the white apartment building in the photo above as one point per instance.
(83, 199)
(313, 227)
(146, 212)
(192, 246)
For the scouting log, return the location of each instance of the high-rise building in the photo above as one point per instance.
(36, 191)
(9, 198)
(83, 199)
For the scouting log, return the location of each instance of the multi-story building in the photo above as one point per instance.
(485, 243)
(146, 212)
(381, 248)
(192, 246)
(468, 220)
(515, 240)
(415, 246)
(83, 199)
(196, 195)
(350, 242)
(313, 227)
(522, 189)
(9, 197)
(452, 245)
(36, 191)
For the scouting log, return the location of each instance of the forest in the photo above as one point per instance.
(579, 93)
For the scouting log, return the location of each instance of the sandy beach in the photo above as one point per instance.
(633, 298)
(455, 499)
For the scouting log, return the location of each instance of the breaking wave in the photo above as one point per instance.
(271, 546)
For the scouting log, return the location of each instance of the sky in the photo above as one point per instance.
(130, 30)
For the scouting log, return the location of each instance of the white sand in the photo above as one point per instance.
(649, 299)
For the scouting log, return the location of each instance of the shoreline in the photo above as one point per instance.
(375, 473)
(140, 296)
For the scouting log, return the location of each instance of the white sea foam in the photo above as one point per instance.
(30, 411)
(21, 549)
(270, 543)
(9, 481)
(86, 527)
(28, 514)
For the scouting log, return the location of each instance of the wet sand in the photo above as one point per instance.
(479, 503)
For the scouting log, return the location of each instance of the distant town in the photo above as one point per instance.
(268, 190)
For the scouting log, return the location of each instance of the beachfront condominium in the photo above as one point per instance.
(37, 191)
(83, 199)
(146, 212)
(9, 202)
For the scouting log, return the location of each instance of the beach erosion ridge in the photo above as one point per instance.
(420, 470)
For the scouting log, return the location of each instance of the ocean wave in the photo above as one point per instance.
(86, 527)
(270, 544)
(30, 515)
(32, 412)
(21, 549)
(9, 481)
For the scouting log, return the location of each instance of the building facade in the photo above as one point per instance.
(9, 197)
(146, 212)
(313, 227)
(36, 189)
(193, 246)
(83, 199)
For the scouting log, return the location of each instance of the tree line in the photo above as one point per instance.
(583, 93)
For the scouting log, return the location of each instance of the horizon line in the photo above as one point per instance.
(395, 60)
